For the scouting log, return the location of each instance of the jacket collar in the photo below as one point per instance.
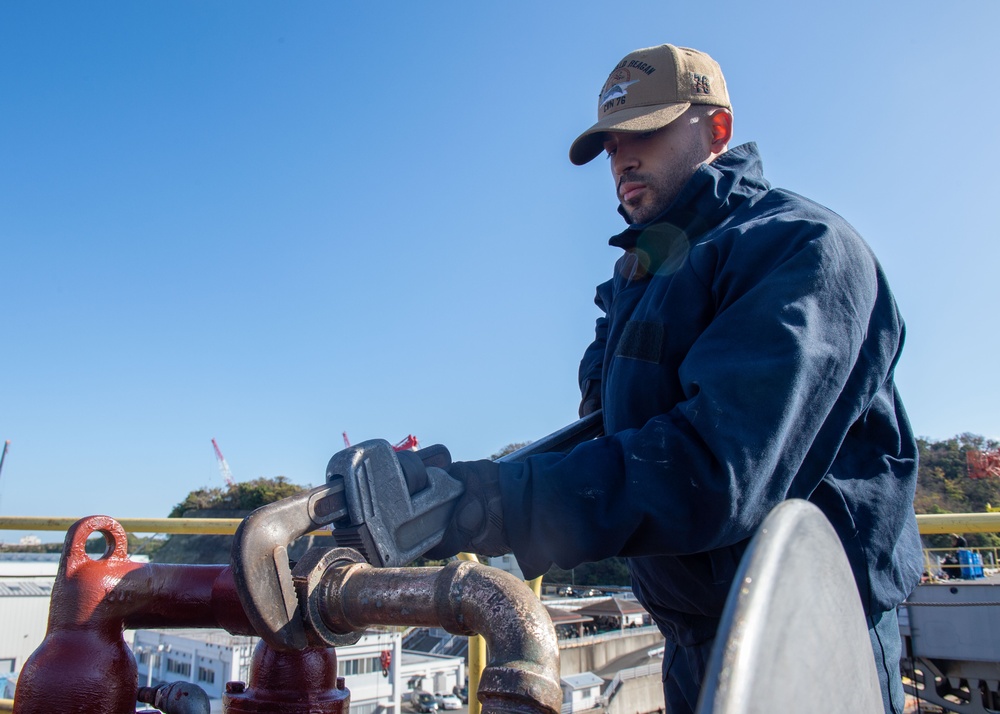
(712, 193)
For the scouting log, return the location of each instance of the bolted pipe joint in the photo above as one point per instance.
(343, 596)
(176, 698)
(289, 682)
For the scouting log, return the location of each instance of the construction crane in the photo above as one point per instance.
(6, 447)
(410, 443)
(227, 475)
(983, 464)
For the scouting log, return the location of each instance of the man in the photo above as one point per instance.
(951, 564)
(745, 356)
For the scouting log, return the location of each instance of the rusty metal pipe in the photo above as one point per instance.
(522, 668)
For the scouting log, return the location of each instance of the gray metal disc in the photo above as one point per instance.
(793, 636)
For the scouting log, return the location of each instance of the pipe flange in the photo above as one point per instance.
(319, 577)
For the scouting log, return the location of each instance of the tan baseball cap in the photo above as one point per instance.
(649, 89)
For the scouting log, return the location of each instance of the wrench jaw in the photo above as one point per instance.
(262, 572)
(359, 538)
(282, 602)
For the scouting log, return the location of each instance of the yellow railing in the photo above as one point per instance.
(928, 524)
(203, 526)
(935, 523)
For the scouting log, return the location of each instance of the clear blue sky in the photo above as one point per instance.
(269, 223)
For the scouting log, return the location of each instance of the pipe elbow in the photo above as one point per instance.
(522, 671)
(522, 668)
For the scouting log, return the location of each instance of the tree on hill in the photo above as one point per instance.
(509, 449)
(944, 486)
(234, 501)
(611, 571)
(242, 496)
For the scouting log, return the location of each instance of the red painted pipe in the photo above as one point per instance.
(297, 682)
(83, 665)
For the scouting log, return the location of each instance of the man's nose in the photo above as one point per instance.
(624, 160)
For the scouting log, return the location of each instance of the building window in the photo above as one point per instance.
(365, 665)
(181, 668)
(206, 675)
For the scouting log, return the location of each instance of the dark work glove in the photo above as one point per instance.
(476, 524)
(591, 400)
(414, 465)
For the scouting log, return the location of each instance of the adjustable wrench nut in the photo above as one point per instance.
(319, 595)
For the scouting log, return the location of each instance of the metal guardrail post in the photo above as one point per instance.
(536, 586)
(477, 655)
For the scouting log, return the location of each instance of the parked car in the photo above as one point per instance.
(565, 591)
(589, 592)
(423, 702)
(447, 701)
(461, 692)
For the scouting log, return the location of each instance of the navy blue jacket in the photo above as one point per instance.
(745, 357)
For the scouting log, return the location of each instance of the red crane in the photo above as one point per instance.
(227, 475)
(410, 443)
(983, 464)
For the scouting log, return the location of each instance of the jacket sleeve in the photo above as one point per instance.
(802, 340)
(593, 358)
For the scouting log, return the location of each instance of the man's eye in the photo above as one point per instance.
(609, 151)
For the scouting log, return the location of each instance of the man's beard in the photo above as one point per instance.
(660, 192)
(661, 189)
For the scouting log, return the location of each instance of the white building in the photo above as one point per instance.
(506, 562)
(25, 588)
(26, 581)
(373, 689)
(581, 691)
(210, 658)
(430, 673)
(29, 566)
(24, 614)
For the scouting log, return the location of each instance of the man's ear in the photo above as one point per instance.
(721, 125)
